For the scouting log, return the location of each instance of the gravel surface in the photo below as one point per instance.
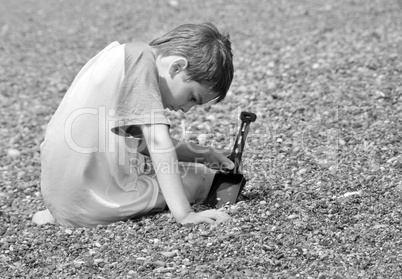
(323, 161)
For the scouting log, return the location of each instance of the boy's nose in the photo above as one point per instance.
(186, 107)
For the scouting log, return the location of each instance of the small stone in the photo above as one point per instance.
(271, 64)
(271, 85)
(202, 138)
(13, 153)
(302, 171)
(160, 263)
(392, 160)
(211, 118)
(263, 202)
(186, 262)
(348, 194)
(174, 3)
(78, 263)
(169, 254)
(98, 261)
(21, 174)
(171, 265)
(12, 240)
(379, 226)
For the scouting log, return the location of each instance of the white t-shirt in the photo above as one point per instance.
(91, 170)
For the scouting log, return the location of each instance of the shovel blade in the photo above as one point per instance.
(225, 189)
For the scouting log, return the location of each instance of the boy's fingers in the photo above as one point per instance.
(221, 220)
(206, 219)
(209, 221)
(218, 216)
(226, 152)
(227, 164)
(211, 216)
(224, 216)
(230, 164)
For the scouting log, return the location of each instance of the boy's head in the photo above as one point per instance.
(208, 54)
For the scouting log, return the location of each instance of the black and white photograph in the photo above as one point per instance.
(200, 139)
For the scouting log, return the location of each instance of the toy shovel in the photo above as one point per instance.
(227, 185)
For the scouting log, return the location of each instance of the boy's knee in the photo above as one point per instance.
(195, 169)
(197, 180)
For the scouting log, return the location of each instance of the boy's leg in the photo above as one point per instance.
(197, 180)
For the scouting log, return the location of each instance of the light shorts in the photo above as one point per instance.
(73, 202)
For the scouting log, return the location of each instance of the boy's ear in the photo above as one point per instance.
(177, 66)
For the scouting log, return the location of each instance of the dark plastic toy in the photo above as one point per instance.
(227, 185)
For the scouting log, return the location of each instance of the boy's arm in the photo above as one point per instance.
(189, 152)
(212, 158)
(186, 152)
(164, 158)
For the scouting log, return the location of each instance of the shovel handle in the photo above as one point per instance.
(237, 152)
(247, 116)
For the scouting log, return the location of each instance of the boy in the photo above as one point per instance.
(93, 163)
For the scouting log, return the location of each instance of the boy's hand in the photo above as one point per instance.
(218, 160)
(208, 216)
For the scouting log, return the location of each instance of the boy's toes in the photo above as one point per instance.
(43, 217)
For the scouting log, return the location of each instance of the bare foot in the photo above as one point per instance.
(43, 217)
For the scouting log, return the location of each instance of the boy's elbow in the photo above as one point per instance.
(157, 137)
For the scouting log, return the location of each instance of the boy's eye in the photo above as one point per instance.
(195, 100)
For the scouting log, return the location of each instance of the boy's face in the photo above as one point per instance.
(177, 92)
(183, 95)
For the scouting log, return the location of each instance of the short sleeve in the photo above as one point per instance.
(138, 101)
